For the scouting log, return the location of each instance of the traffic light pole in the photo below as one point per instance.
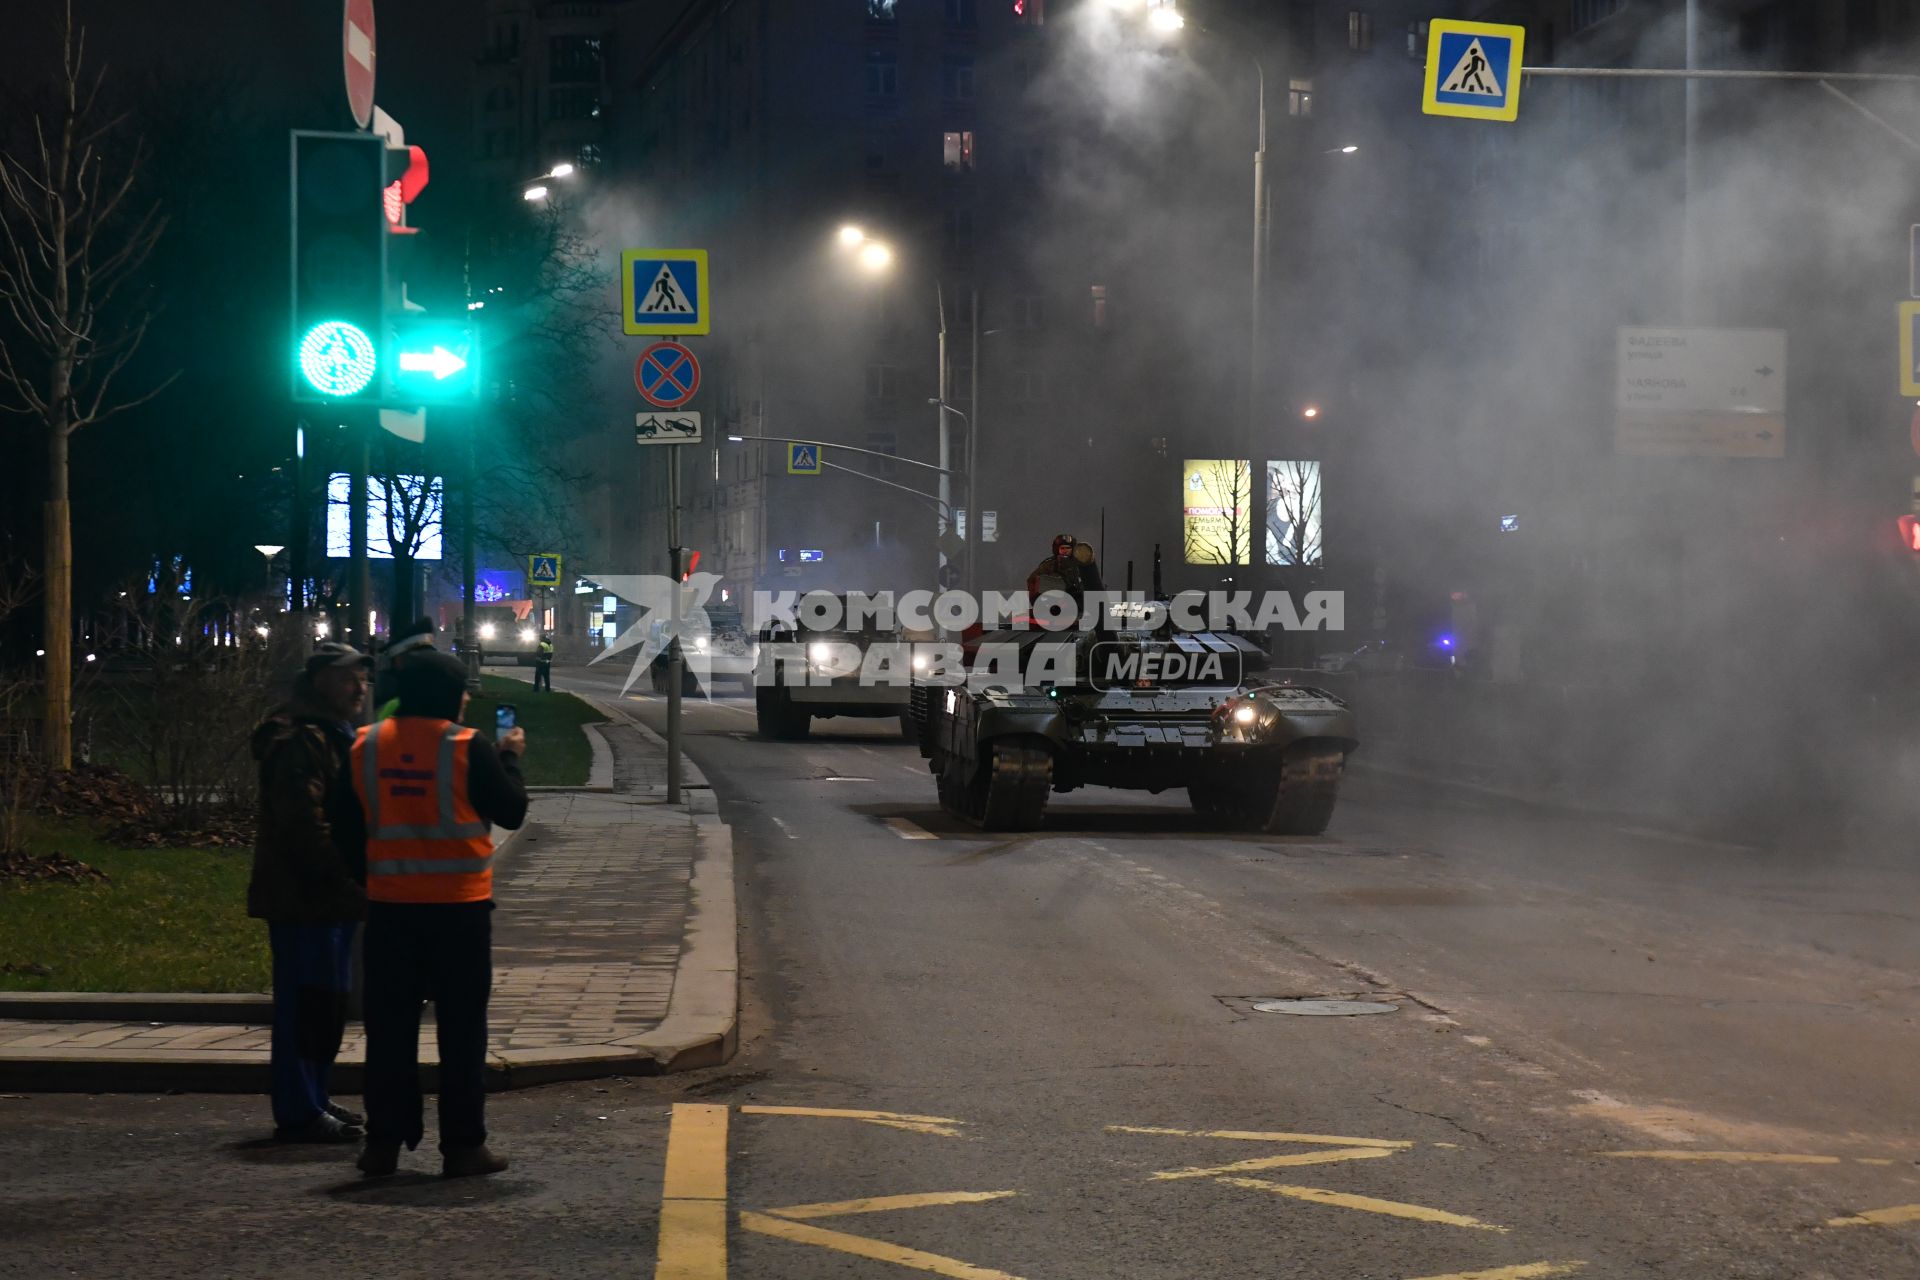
(676, 667)
(360, 592)
(469, 652)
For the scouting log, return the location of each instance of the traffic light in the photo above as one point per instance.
(1910, 532)
(339, 266)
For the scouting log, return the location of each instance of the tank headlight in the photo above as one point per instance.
(699, 644)
(1245, 715)
(921, 662)
(488, 631)
(820, 651)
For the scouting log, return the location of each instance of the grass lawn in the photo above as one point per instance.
(557, 751)
(166, 920)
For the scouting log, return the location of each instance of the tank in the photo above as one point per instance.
(1140, 711)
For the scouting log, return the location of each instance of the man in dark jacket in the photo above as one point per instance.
(306, 891)
(417, 802)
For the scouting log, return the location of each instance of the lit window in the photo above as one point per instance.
(957, 151)
(1359, 31)
(1299, 97)
(956, 79)
(883, 73)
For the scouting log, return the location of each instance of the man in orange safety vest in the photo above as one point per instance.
(428, 792)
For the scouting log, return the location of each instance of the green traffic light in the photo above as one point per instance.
(337, 358)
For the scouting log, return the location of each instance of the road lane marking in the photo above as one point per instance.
(862, 1247)
(1724, 1157)
(907, 829)
(1242, 1135)
(943, 1126)
(1880, 1217)
(693, 1196)
(1525, 1271)
(1277, 1162)
(885, 1204)
(784, 828)
(1366, 1204)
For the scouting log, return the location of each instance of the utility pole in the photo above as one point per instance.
(940, 411)
(468, 572)
(1260, 220)
(676, 663)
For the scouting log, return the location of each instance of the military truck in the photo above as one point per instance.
(1151, 711)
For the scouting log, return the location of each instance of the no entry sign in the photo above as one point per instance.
(356, 40)
(667, 374)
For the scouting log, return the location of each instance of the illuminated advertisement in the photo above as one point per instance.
(413, 518)
(1293, 513)
(1216, 500)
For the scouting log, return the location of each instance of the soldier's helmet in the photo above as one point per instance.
(1063, 544)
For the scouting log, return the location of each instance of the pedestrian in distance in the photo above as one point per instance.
(424, 790)
(543, 664)
(306, 889)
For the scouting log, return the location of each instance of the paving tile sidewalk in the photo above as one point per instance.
(614, 952)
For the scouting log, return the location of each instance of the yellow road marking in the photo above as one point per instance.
(1724, 1157)
(693, 1198)
(1278, 1162)
(862, 1247)
(1242, 1135)
(881, 1204)
(1526, 1271)
(941, 1125)
(1366, 1204)
(909, 830)
(1880, 1217)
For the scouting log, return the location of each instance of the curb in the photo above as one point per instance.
(247, 1007)
(701, 1028)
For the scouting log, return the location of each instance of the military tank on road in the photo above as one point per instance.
(1141, 710)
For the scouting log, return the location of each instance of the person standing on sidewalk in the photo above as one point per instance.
(543, 663)
(304, 888)
(427, 789)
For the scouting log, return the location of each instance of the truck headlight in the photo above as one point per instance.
(526, 636)
(488, 631)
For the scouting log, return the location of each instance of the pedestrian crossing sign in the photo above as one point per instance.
(1473, 69)
(543, 570)
(663, 292)
(803, 459)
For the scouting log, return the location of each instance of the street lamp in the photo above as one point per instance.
(875, 256)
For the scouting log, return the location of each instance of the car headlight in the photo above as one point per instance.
(526, 637)
(488, 631)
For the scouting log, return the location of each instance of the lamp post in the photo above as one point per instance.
(269, 551)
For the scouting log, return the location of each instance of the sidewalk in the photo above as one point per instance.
(614, 954)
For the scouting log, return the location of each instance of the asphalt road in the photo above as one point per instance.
(1612, 1052)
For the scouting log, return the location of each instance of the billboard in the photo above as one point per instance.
(1216, 497)
(1294, 529)
(416, 512)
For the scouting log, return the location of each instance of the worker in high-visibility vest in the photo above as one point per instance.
(428, 791)
(543, 663)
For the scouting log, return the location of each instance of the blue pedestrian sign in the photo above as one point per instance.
(803, 459)
(663, 292)
(543, 569)
(1473, 69)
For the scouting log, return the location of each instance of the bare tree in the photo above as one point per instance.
(69, 245)
(1294, 528)
(410, 506)
(1219, 506)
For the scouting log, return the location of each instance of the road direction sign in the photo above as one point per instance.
(1701, 393)
(676, 426)
(1909, 349)
(663, 292)
(433, 361)
(1473, 69)
(667, 374)
(356, 40)
(803, 459)
(543, 569)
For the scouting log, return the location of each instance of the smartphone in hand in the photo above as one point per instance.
(503, 718)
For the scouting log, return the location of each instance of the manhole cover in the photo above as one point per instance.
(1323, 1008)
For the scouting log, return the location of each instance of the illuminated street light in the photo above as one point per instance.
(1347, 150)
(851, 235)
(560, 171)
(1311, 411)
(1164, 18)
(875, 256)
(538, 191)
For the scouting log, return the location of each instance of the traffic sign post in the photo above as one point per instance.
(803, 459)
(357, 56)
(675, 427)
(1473, 69)
(663, 292)
(667, 375)
(1909, 349)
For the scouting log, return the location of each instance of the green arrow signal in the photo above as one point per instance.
(439, 362)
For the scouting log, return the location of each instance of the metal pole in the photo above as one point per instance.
(1688, 264)
(360, 592)
(1259, 259)
(976, 523)
(469, 574)
(297, 530)
(675, 667)
(946, 463)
